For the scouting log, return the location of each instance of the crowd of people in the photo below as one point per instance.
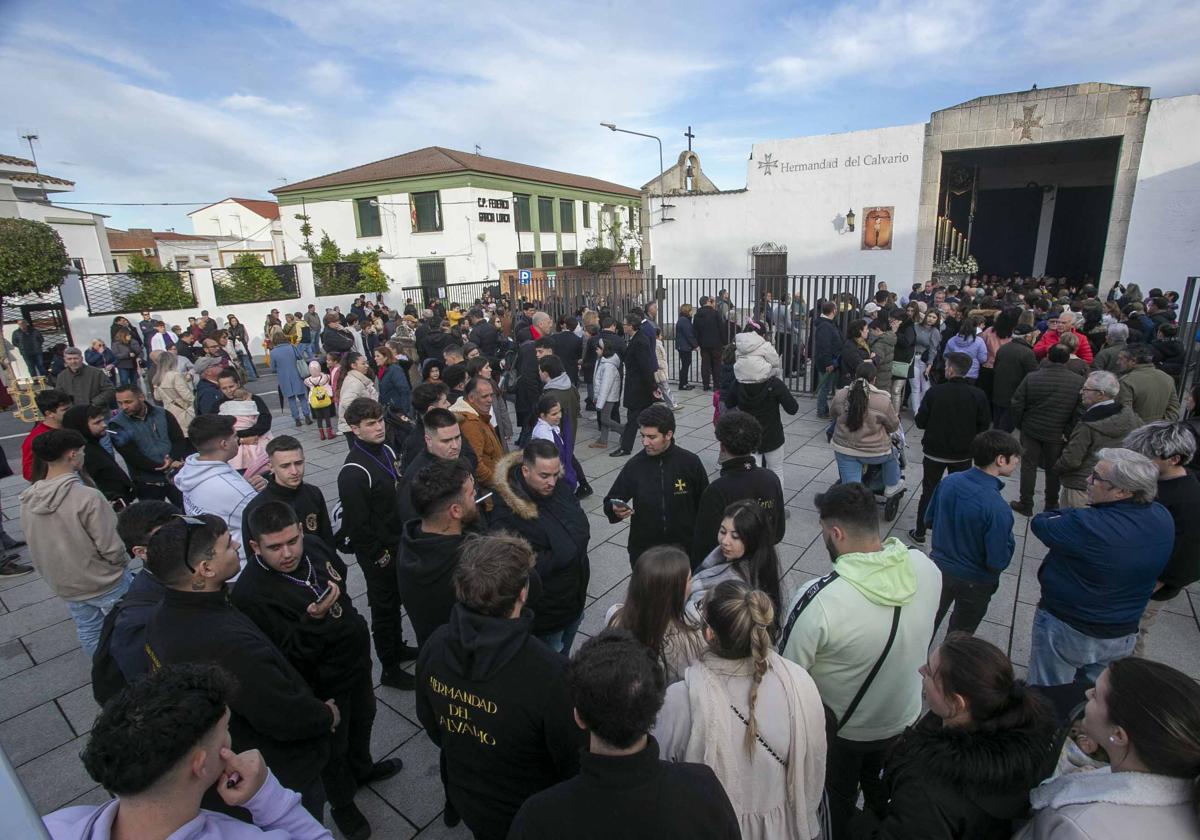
(236, 673)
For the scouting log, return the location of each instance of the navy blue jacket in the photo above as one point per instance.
(685, 335)
(827, 341)
(1103, 563)
(395, 389)
(972, 526)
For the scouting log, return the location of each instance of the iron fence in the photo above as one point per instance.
(122, 292)
(339, 278)
(251, 284)
(1189, 327)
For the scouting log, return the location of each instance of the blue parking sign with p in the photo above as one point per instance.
(523, 276)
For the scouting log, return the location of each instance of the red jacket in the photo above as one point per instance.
(1050, 338)
(39, 428)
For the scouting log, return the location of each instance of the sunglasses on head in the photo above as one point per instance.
(191, 522)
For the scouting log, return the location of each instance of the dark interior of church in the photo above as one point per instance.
(1038, 209)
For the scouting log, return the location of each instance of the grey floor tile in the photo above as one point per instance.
(80, 708)
(43, 682)
(34, 733)
(385, 819)
(1175, 639)
(34, 617)
(416, 791)
(610, 567)
(56, 778)
(390, 730)
(13, 658)
(33, 592)
(52, 641)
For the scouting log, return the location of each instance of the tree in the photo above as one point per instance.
(371, 277)
(33, 258)
(157, 288)
(368, 277)
(597, 260)
(249, 282)
(306, 230)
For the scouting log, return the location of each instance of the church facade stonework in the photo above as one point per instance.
(1072, 112)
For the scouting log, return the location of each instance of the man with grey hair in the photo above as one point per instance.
(1105, 422)
(1115, 341)
(85, 384)
(1101, 568)
(1169, 446)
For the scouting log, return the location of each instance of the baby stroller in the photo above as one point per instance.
(873, 475)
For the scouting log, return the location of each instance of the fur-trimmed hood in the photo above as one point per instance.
(987, 762)
(506, 481)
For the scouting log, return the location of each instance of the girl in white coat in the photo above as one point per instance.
(606, 385)
(355, 382)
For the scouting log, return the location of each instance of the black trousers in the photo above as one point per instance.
(685, 367)
(970, 599)
(931, 473)
(1001, 418)
(850, 765)
(383, 599)
(350, 748)
(1039, 453)
(629, 433)
(710, 365)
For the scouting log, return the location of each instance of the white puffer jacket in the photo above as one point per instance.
(757, 360)
(606, 384)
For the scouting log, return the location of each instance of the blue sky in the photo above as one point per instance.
(169, 101)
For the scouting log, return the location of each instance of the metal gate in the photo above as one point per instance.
(1189, 325)
(45, 312)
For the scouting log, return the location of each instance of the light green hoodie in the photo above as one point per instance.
(841, 633)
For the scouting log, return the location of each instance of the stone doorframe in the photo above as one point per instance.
(1072, 112)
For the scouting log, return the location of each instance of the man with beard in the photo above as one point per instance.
(293, 591)
(443, 496)
(286, 459)
(443, 441)
(659, 487)
(880, 597)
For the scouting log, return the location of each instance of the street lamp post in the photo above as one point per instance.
(661, 179)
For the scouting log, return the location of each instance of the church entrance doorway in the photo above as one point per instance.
(1032, 210)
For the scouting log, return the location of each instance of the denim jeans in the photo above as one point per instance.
(297, 403)
(920, 385)
(89, 615)
(561, 640)
(35, 365)
(850, 468)
(1059, 651)
(126, 376)
(247, 362)
(824, 388)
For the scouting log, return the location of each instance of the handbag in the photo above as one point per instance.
(301, 364)
(900, 370)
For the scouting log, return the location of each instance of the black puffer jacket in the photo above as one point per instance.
(1045, 404)
(952, 784)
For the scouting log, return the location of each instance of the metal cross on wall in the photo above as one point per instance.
(689, 137)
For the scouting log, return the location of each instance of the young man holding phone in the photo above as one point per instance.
(293, 591)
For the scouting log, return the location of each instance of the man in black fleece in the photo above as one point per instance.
(443, 441)
(273, 710)
(741, 478)
(324, 638)
(286, 484)
(443, 496)
(662, 484)
(532, 503)
(951, 414)
(492, 695)
(623, 788)
(367, 486)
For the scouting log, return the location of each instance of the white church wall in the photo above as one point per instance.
(797, 194)
(1163, 247)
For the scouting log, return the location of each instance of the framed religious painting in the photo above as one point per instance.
(877, 228)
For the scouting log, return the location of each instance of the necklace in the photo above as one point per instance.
(309, 582)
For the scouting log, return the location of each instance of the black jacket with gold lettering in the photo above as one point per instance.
(665, 490)
(495, 699)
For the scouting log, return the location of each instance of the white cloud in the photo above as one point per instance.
(332, 78)
(265, 107)
(104, 50)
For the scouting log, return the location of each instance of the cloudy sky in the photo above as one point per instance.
(190, 102)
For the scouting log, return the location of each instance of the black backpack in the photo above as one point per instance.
(107, 678)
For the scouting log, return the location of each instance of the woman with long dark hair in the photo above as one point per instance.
(655, 609)
(99, 460)
(241, 346)
(855, 350)
(395, 390)
(1146, 717)
(964, 771)
(745, 551)
(752, 716)
(864, 419)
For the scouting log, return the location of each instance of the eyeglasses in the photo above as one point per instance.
(1094, 476)
(191, 522)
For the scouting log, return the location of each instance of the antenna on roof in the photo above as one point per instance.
(29, 138)
(477, 148)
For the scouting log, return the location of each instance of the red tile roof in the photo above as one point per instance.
(11, 160)
(264, 208)
(138, 238)
(34, 178)
(436, 160)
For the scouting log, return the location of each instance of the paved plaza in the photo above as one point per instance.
(46, 706)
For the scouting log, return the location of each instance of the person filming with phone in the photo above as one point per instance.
(292, 590)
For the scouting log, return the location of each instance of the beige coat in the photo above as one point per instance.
(354, 385)
(175, 394)
(1100, 805)
(873, 437)
(72, 535)
(698, 724)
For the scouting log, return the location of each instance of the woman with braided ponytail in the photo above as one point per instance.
(965, 770)
(755, 718)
